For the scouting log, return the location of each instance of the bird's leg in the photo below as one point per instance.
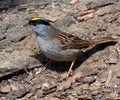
(71, 66)
(50, 62)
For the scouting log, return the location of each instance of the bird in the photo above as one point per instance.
(60, 46)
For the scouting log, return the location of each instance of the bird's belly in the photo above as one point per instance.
(53, 52)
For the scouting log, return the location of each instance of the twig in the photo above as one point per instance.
(109, 78)
(17, 72)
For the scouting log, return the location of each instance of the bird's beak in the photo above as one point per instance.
(26, 25)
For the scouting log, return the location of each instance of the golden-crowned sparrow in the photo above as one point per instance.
(60, 46)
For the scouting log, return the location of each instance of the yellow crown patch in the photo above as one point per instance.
(36, 18)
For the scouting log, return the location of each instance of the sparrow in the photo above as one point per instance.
(58, 45)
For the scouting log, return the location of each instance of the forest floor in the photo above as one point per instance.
(96, 74)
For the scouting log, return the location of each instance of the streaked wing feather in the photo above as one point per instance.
(73, 42)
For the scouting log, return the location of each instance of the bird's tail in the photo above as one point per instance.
(103, 39)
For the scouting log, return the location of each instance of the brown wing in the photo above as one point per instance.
(69, 41)
(73, 42)
(76, 43)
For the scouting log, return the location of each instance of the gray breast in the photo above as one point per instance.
(53, 52)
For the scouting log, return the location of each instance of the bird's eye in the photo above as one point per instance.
(32, 23)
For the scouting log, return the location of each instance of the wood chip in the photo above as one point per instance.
(72, 2)
(109, 78)
(86, 14)
(66, 84)
(5, 89)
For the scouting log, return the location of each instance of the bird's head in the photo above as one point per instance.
(40, 26)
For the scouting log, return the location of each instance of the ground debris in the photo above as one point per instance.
(73, 2)
(48, 89)
(22, 66)
(17, 94)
